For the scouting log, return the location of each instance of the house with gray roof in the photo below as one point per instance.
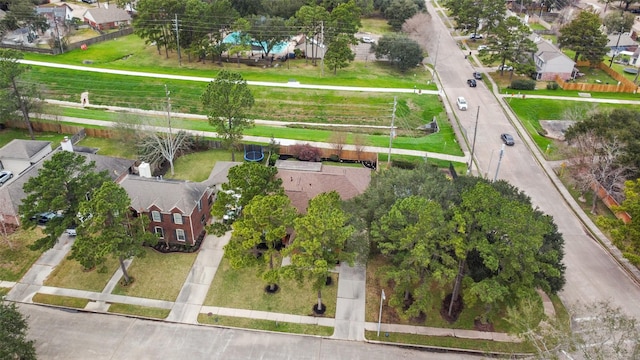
(12, 193)
(55, 13)
(551, 62)
(18, 155)
(105, 18)
(178, 210)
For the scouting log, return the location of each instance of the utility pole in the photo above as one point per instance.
(167, 93)
(392, 132)
(473, 146)
(55, 21)
(499, 162)
(323, 50)
(177, 29)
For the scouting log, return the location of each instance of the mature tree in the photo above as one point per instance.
(398, 11)
(243, 43)
(21, 15)
(220, 19)
(268, 32)
(62, 183)
(110, 228)
(248, 7)
(344, 19)
(583, 35)
(414, 236)
(226, 99)
(282, 8)
(257, 237)
(154, 22)
(617, 126)
(495, 244)
(13, 334)
(339, 53)
(618, 22)
(511, 43)
(245, 182)
(469, 14)
(16, 95)
(309, 19)
(401, 51)
(159, 147)
(321, 235)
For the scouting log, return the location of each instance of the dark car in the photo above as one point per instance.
(5, 175)
(471, 82)
(507, 139)
(43, 218)
(477, 75)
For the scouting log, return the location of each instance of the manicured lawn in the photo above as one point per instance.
(158, 276)
(433, 317)
(70, 274)
(242, 289)
(130, 53)
(58, 300)
(16, 256)
(8, 134)
(138, 310)
(265, 325)
(376, 26)
(452, 342)
(197, 166)
(109, 147)
(595, 76)
(4, 291)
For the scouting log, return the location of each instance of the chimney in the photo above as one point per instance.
(66, 144)
(145, 170)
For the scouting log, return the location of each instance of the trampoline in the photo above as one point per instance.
(253, 153)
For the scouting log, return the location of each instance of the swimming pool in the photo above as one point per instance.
(278, 48)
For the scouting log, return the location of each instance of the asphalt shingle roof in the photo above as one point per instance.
(165, 194)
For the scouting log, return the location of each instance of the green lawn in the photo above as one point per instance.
(157, 276)
(16, 256)
(4, 291)
(197, 166)
(58, 300)
(378, 26)
(138, 310)
(242, 289)
(70, 274)
(109, 147)
(267, 325)
(8, 134)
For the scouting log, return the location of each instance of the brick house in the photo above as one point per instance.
(107, 18)
(178, 210)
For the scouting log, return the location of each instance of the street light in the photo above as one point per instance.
(382, 298)
(473, 146)
(499, 162)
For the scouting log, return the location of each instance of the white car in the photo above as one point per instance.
(367, 40)
(462, 103)
(5, 175)
(483, 47)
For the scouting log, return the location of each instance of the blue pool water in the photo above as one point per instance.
(233, 39)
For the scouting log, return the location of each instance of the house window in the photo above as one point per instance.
(203, 219)
(155, 215)
(180, 236)
(210, 200)
(159, 231)
(200, 205)
(177, 218)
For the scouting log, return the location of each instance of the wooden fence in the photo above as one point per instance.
(624, 85)
(608, 200)
(344, 154)
(72, 46)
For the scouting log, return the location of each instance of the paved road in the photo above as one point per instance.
(72, 335)
(592, 274)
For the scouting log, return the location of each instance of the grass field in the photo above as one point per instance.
(265, 325)
(197, 166)
(242, 289)
(157, 276)
(8, 134)
(16, 256)
(58, 300)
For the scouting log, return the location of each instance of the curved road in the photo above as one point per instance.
(592, 273)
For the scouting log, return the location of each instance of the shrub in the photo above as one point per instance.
(305, 152)
(552, 85)
(273, 159)
(523, 84)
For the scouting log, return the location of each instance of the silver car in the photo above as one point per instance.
(5, 175)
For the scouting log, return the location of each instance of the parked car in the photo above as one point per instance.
(477, 75)
(89, 1)
(462, 103)
(472, 82)
(43, 218)
(475, 36)
(71, 231)
(5, 175)
(483, 47)
(367, 40)
(505, 68)
(507, 139)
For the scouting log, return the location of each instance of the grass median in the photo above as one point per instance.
(268, 325)
(16, 256)
(144, 311)
(70, 274)
(58, 300)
